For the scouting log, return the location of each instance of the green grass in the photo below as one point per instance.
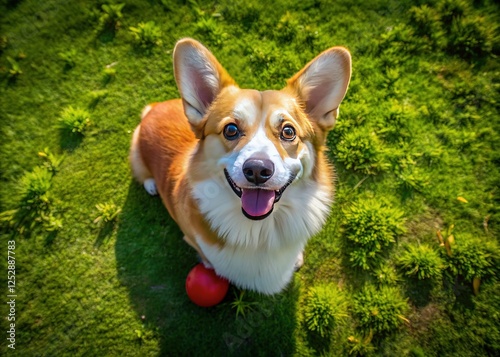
(418, 135)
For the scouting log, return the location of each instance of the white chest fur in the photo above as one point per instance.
(260, 255)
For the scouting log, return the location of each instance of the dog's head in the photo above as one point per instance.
(260, 143)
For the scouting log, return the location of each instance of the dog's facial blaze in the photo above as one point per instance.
(247, 125)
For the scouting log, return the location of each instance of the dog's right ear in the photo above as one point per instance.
(200, 78)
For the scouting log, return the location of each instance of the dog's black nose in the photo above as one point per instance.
(258, 171)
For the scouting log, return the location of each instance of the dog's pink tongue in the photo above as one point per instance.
(257, 202)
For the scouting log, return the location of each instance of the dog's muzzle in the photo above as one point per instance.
(257, 203)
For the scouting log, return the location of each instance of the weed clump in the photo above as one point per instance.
(370, 228)
(96, 96)
(74, 120)
(360, 151)
(34, 189)
(472, 257)
(421, 261)
(242, 305)
(108, 212)
(146, 35)
(50, 161)
(410, 180)
(361, 345)
(380, 310)
(110, 17)
(35, 206)
(208, 26)
(386, 274)
(325, 308)
(14, 70)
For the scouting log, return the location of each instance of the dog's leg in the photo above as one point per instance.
(299, 262)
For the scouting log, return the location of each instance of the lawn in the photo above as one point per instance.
(407, 264)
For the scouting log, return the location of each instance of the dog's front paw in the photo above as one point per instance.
(299, 262)
(150, 186)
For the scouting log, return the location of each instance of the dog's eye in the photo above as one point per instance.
(231, 132)
(288, 133)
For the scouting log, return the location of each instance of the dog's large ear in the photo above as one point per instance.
(199, 77)
(322, 84)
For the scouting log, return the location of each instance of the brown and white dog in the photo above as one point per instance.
(243, 172)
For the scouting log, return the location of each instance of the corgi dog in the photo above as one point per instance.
(243, 172)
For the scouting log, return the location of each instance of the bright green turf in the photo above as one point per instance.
(118, 289)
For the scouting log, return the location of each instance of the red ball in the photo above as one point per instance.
(204, 287)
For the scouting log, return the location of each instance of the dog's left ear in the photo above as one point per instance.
(200, 78)
(322, 84)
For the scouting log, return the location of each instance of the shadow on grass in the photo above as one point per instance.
(419, 291)
(358, 277)
(321, 344)
(462, 289)
(68, 140)
(145, 51)
(153, 262)
(106, 36)
(50, 238)
(104, 234)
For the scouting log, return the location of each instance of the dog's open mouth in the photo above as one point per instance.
(257, 203)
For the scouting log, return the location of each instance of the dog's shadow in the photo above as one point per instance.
(153, 262)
